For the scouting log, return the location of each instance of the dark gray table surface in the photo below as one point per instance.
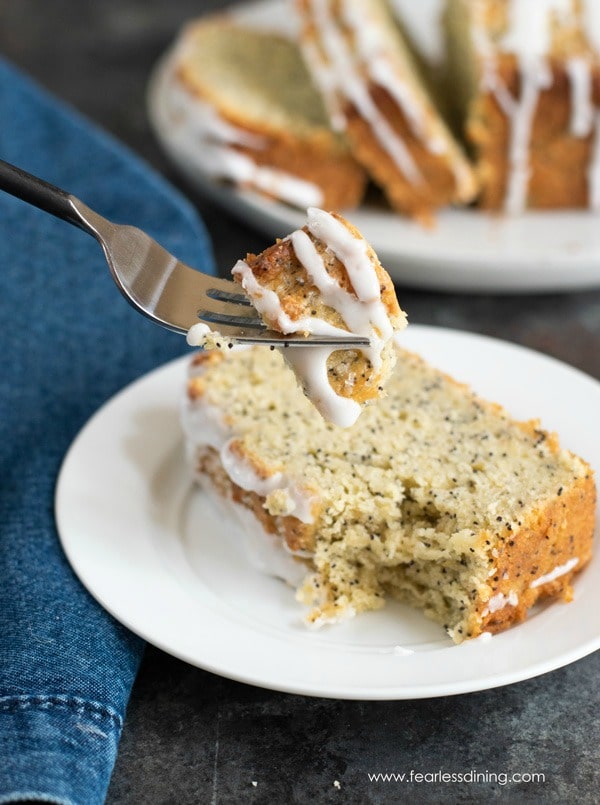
(193, 737)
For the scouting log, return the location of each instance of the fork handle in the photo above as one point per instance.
(39, 193)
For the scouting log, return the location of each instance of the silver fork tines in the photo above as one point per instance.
(227, 296)
(153, 281)
(177, 296)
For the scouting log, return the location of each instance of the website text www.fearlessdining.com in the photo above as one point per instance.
(471, 776)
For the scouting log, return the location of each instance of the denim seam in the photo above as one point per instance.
(76, 704)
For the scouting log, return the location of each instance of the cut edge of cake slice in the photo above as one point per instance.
(376, 97)
(435, 496)
(325, 279)
(242, 107)
(526, 84)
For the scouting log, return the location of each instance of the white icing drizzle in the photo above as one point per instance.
(340, 73)
(311, 366)
(345, 73)
(372, 53)
(268, 304)
(363, 311)
(529, 28)
(500, 601)
(425, 28)
(350, 250)
(208, 140)
(265, 552)
(529, 38)
(582, 107)
(383, 74)
(535, 77)
(556, 573)
(203, 120)
(197, 333)
(244, 475)
(204, 426)
(422, 120)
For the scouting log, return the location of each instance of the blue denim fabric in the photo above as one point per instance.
(68, 341)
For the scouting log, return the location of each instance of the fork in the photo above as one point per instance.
(158, 285)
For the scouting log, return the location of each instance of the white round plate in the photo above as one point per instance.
(149, 546)
(467, 250)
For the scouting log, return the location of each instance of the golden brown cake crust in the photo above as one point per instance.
(444, 177)
(419, 200)
(556, 533)
(298, 536)
(317, 158)
(558, 160)
(278, 268)
(295, 141)
(561, 530)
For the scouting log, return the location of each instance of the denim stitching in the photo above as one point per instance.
(80, 706)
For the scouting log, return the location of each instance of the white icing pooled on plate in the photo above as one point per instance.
(265, 552)
(401, 651)
(209, 143)
(204, 426)
(362, 310)
(559, 571)
(396, 651)
(529, 38)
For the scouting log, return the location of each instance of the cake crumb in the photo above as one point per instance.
(325, 280)
(394, 509)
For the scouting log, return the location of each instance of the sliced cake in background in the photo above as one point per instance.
(243, 108)
(376, 97)
(526, 76)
